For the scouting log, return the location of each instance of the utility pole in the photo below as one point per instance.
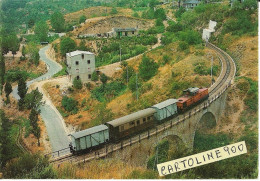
(136, 87)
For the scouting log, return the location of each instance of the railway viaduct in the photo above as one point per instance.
(184, 126)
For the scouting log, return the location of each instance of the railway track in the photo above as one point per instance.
(220, 86)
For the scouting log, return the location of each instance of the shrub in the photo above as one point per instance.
(77, 83)
(69, 104)
(108, 91)
(191, 37)
(147, 68)
(82, 19)
(183, 46)
(67, 45)
(132, 83)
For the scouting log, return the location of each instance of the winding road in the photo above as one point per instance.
(54, 123)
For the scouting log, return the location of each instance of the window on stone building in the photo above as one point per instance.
(88, 61)
(89, 76)
(77, 62)
(82, 56)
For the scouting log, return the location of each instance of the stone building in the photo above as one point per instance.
(119, 32)
(81, 65)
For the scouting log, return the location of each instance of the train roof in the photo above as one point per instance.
(164, 104)
(131, 117)
(89, 131)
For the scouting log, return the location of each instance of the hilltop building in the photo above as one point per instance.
(81, 65)
(123, 32)
(190, 4)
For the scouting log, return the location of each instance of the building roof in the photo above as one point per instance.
(124, 29)
(89, 131)
(165, 103)
(191, 2)
(78, 52)
(131, 117)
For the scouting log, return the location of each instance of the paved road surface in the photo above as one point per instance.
(53, 122)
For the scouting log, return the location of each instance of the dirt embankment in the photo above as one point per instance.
(95, 12)
(105, 24)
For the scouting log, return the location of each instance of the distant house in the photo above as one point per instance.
(190, 4)
(123, 32)
(81, 65)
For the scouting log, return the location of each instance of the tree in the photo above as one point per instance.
(82, 19)
(33, 100)
(94, 76)
(8, 90)
(183, 45)
(67, 45)
(13, 43)
(33, 53)
(147, 68)
(22, 90)
(103, 79)
(29, 166)
(82, 45)
(31, 23)
(70, 104)
(134, 84)
(23, 51)
(5, 140)
(2, 72)
(41, 31)
(77, 83)
(160, 14)
(57, 22)
(33, 117)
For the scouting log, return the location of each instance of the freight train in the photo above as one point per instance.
(121, 128)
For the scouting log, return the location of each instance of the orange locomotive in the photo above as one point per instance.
(192, 97)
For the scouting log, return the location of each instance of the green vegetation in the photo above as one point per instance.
(41, 31)
(15, 13)
(82, 19)
(67, 45)
(58, 22)
(201, 69)
(77, 83)
(30, 167)
(252, 94)
(2, 72)
(130, 47)
(70, 104)
(147, 68)
(108, 91)
(33, 52)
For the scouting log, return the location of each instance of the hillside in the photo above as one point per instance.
(105, 24)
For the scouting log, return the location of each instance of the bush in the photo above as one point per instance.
(77, 83)
(82, 19)
(191, 37)
(69, 104)
(108, 91)
(67, 45)
(132, 83)
(183, 46)
(147, 68)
